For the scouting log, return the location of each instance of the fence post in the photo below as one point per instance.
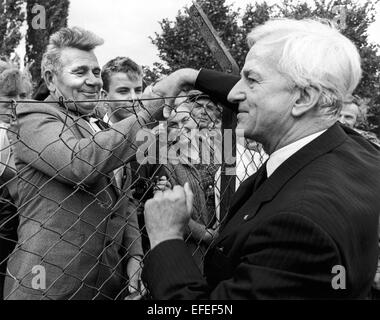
(228, 64)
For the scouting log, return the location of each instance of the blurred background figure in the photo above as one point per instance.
(354, 114)
(204, 110)
(26, 92)
(350, 113)
(11, 84)
(194, 134)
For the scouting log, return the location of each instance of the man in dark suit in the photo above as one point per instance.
(304, 226)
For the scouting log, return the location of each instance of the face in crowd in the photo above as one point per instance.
(349, 114)
(79, 79)
(10, 87)
(123, 86)
(182, 127)
(206, 113)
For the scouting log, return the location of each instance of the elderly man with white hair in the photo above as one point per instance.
(305, 225)
(76, 238)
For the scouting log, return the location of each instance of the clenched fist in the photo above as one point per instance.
(168, 214)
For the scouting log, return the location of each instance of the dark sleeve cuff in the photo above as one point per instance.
(218, 85)
(169, 269)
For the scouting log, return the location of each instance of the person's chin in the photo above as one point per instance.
(86, 108)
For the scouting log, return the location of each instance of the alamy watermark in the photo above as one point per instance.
(338, 282)
(39, 279)
(39, 20)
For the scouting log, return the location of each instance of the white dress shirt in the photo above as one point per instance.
(118, 173)
(107, 120)
(280, 156)
(248, 161)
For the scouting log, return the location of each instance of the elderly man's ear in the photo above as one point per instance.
(49, 78)
(308, 98)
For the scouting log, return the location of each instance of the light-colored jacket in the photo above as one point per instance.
(74, 221)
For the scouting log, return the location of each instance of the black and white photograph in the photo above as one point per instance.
(189, 150)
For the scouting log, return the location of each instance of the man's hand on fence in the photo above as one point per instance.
(173, 85)
(178, 81)
(168, 214)
(162, 184)
(199, 232)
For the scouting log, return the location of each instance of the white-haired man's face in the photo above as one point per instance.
(265, 98)
(79, 79)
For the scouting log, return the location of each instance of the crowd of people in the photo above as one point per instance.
(77, 200)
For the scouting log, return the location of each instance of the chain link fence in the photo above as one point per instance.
(73, 189)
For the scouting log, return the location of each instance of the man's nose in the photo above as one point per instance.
(342, 120)
(236, 95)
(204, 110)
(133, 95)
(94, 81)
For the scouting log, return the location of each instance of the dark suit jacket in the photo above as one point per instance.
(74, 220)
(318, 210)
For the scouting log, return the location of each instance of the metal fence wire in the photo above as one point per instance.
(73, 189)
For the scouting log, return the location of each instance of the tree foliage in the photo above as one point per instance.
(37, 39)
(11, 19)
(180, 44)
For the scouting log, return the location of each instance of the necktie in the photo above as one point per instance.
(261, 177)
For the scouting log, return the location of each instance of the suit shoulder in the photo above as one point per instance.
(24, 109)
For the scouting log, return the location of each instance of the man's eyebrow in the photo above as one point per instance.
(78, 68)
(123, 88)
(251, 72)
(86, 68)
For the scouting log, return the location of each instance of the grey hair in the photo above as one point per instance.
(312, 53)
(67, 38)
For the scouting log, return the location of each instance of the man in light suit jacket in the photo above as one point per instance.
(76, 238)
(304, 226)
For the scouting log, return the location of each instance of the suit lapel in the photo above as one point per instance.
(242, 212)
(242, 194)
(86, 131)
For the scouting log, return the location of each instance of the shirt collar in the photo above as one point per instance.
(107, 120)
(283, 154)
